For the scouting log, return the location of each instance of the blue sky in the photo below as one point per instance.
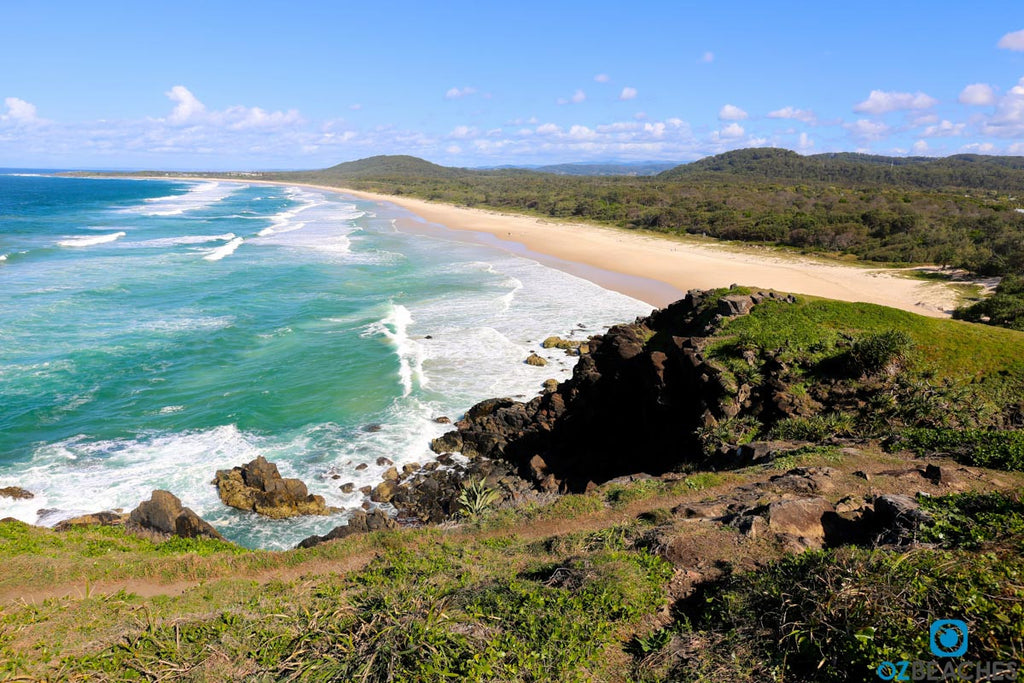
(233, 85)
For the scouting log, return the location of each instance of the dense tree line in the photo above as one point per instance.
(862, 206)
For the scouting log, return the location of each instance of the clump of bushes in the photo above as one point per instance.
(882, 351)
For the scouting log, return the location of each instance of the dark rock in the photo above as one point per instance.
(443, 420)
(803, 480)
(359, 523)
(384, 462)
(258, 487)
(754, 526)
(164, 514)
(735, 304)
(373, 428)
(635, 403)
(348, 488)
(361, 466)
(16, 492)
(898, 518)
(534, 359)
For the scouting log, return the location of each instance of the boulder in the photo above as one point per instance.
(259, 487)
(359, 523)
(559, 343)
(105, 518)
(16, 492)
(801, 519)
(163, 513)
(534, 359)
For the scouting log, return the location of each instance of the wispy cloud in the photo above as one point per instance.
(707, 58)
(457, 93)
(602, 78)
(804, 115)
(577, 97)
(628, 93)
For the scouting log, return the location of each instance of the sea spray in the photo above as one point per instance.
(144, 366)
(91, 241)
(395, 328)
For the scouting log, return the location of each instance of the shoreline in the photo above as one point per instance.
(655, 269)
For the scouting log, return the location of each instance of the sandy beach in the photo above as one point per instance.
(659, 270)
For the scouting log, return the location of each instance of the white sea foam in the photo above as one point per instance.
(507, 299)
(197, 197)
(183, 240)
(90, 241)
(225, 250)
(3, 257)
(395, 328)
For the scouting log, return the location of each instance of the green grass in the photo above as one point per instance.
(502, 610)
(984, 448)
(815, 328)
(836, 615)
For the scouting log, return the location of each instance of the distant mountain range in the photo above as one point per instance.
(765, 164)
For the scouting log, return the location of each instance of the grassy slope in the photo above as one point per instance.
(576, 590)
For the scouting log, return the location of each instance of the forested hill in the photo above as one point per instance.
(960, 171)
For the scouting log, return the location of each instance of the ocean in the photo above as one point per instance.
(155, 331)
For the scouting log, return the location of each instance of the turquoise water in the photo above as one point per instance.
(152, 332)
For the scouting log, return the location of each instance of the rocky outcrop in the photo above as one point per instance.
(105, 518)
(164, 514)
(635, 402)
(534, 359)
(360, 522)
(258, 487)
(16, 492)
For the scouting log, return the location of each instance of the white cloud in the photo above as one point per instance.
(548, 129)
(456, 93)
(1016, 148)
(805, 142)
(188, 107)
(920, 147)
(707, 58)
(355, 107)
(804, 115)
(581, 133)
(1008, 119)
(602, 78)
(881, 102)
(978, 94)
(1012, 41)
(577, 97)
(628, 93)
(453, 149)
(863, 129)
(979, 147)
(733, 130)
(461, 132)
(731, 112)
(944, 130)
(925, 120)
(19, 111)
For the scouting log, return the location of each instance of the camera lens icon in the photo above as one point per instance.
(948, 638)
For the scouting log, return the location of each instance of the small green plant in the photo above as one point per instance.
(1001, 449)
(814, 428)
(880, 351)
(477, 498)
